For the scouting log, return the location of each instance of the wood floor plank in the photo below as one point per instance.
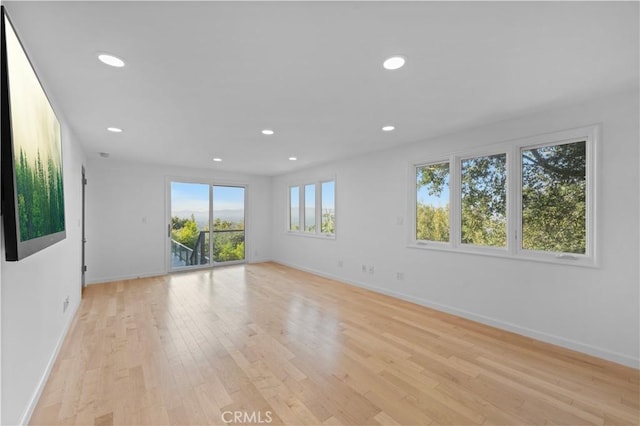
(266, 341)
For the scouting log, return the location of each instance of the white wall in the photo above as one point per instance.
(33, 291)
(591, 310)
(127, 218)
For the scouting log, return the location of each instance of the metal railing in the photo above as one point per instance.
(180, 251)
(187, 256)
(191, 256)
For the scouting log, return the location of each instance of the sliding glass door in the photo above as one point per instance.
(189, 226)
(228, 224)
(198, 211)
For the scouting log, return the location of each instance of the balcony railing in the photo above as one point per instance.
(228, 245)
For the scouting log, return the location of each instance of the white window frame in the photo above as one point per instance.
(458, 200)
(300, 224)
(303, 208)
(317, 207)
(513, 150)
(414, 231)
(211, 182)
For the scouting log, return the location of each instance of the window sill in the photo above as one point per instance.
(540, 257)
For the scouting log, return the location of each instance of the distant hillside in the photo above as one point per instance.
(202, 217)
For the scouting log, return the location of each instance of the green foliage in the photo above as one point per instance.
(434, 177)
(484, 201)
(432, 223)
(185, 231)
(227, 245)
(328, 222)
(40, 197)
(177, 223)
(225, 225)
(554, 198)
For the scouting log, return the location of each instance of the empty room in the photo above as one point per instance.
(320, 213)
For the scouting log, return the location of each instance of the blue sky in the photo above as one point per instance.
(309, 196)
(328, 195)
(228, 198)
(436, 201)
(195, 197)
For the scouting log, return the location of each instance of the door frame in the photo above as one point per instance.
(167, 226)
(84, 236)
(246, 250)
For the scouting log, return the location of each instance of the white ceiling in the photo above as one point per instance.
(202, 79)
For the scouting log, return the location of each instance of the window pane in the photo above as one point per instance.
(554, 198)
(228, 223)
(432, 207)
(328, 207)
(189, 224)
(294, 208)
(310, 208)
(484, 201)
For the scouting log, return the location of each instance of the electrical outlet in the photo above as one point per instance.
(371, 269)
(400, 276)
(364, 268)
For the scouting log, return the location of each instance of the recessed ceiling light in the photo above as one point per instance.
(292, 158)
(217, 160)
(267, 132)
(111, 60)
(114, 129)
(104, 154)
(388, 128)
(394, 62)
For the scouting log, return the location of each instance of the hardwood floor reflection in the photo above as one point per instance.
(247, 344)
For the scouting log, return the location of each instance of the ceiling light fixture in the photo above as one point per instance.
(388, 128)
(114, 129)
(111, 60)
(292, 158)
(217, 160)
(394, 62)
(104, 154)
(268, 132)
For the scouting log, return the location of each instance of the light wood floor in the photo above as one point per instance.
(273, 343)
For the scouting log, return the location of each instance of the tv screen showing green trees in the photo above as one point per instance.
(34, 185)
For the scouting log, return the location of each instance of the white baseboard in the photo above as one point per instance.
(504, 325)
(26, 416)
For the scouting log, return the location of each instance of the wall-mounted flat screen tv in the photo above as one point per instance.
(31, 150)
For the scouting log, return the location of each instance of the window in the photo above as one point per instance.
(532, 198)
(310, 208)
(484, 200)
(311, 205)
(432, 207)
(294, 208)
(554, 195)
(328, 207)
